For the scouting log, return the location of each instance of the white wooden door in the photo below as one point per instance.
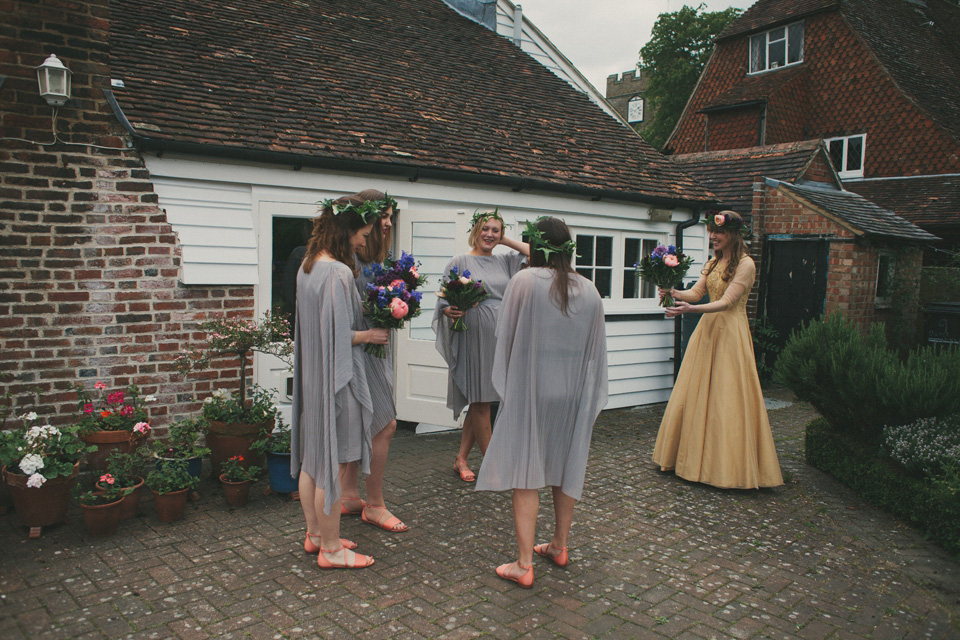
(433, 237)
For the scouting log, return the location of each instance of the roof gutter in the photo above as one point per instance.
(411, 172)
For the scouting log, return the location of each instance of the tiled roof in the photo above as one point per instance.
(916, 42)
(730, 174)
(857, 212)
(927, 201)
(764, 14)
(400, 85)
(755, 88)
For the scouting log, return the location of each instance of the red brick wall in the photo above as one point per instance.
(846, 93)
(88, 264)
(819, 171)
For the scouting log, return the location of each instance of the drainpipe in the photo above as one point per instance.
(678, 324)
(518, 26)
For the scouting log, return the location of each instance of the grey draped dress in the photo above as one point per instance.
(379, 370)
(332, 408)
(550, 370)
(469, 354)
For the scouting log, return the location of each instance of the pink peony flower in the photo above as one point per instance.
(141, 427)
(670, 260)
(398, 308)
(464, 280)
(413, 272)
(719, 219)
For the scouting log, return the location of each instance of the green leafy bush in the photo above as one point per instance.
(932, 505)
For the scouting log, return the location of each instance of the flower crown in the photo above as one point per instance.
(483, 215)
(387, 203)
(539, 243)
(725, 221)
(367, 211)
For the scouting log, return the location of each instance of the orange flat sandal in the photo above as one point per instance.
(557, 555)
(508, 572)
(346, 560)
(309, 548)
(352, 511)
(385, 520)
(461, 469)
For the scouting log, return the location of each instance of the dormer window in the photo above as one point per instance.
(847, 154)
(780, 47)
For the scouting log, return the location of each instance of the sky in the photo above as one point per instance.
(602, 37)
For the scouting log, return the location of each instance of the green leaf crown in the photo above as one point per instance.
(479, 216)
(539, 243)
(368, 211)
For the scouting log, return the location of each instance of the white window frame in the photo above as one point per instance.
(616, 303)
(843, 171)
(763, 40)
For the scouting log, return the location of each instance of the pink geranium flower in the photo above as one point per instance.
(107, 479)
(100, 385)
(141, 427)
(88, 408)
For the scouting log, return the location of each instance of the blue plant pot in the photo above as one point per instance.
(278, 466)
(194, 465)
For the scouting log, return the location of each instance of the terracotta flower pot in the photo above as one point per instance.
(236, 492)
(102, 519)
(228, 439)
(41, 506)
(130, 502)
(107, 442)
(170, 505)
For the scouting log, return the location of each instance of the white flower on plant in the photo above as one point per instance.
(30, 463)
(35, 481)
(29, 417)
(141, 427)
(150, 398)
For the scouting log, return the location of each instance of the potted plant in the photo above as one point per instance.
(170, 483)
(101, 508)
(236, 479)
(276, 446)
(124, 469)
(234, 415)
(183, 443)
(116, 421)
(40, 464)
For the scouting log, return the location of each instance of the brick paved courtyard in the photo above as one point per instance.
(651, 557)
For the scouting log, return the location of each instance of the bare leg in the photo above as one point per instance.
(349, 485)
(378, 465)
(526, 504)
(476, 429)
(563, 517)
(319, 524)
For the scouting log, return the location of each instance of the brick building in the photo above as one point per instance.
(199, 137)
(877, 80)
(625, 93)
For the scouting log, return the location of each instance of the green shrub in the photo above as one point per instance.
(926, 384)
(930, 505)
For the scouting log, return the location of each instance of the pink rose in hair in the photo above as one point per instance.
(719, 219)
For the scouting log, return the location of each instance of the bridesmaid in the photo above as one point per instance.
(715, 428)
(380, 380)
(550, 368)
(469, 354)
(331, 402)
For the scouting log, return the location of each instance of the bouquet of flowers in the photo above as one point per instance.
(665, 267)
(461, 292)
(392, 297)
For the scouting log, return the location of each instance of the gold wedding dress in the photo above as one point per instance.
(715, 428)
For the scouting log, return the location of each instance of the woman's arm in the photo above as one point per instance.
(692, 294)
(741, 282)
(516, 245)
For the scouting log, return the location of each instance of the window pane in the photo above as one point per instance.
(836, 154)
(631, 252)
(795, 42)
(854, 153)
(648, 289)
(586, 273)
(604, 251)
(629, 284)
(603, 282)
(585, 250)
(778, 54)
(884, 276)
(776, 34)
(758, 54)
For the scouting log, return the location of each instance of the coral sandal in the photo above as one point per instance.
(352, 511)
(509, 572)
(310, 548)
(385, 520)
(346, 559)
(460, 468)
(557, 555)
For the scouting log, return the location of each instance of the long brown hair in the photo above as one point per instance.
(738, 248)
(331, 233)
(378, 245)
(556, 232)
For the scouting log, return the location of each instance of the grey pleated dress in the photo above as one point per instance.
(551, 373)
(379, 370)
(469, 354)
(332, 408)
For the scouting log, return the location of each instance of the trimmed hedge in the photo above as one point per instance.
(930, 506)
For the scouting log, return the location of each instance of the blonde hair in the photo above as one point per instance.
(478, 226)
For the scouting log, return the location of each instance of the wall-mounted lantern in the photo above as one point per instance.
(54, 79)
